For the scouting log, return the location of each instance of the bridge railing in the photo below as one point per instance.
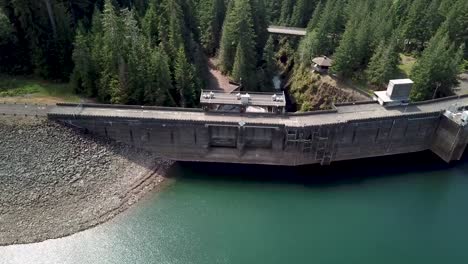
(334, 110)
(132, 107)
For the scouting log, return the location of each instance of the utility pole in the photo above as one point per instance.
(438, 84)
(50, 12)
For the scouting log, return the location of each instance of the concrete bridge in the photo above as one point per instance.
(293, 31)
(349, 131)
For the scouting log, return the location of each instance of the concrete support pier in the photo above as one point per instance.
(451, 136)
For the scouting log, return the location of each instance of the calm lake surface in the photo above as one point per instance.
(409, 209)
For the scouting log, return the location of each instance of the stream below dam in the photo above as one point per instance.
(408, 209)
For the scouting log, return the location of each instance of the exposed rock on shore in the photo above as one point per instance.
(55, 181)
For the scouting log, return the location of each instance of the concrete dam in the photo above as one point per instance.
(349, 131)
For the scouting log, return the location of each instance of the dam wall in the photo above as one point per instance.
(313, 138)
(450, 139)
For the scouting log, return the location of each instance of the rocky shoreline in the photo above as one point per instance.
(55, 181)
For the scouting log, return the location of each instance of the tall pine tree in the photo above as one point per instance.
(435, 73)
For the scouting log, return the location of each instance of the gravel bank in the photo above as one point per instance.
(55, 181)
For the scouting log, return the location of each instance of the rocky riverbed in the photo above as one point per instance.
(55, 181)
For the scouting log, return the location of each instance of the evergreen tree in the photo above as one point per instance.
(229, 42)
(97, 48)
(6, 29)
(191, 24)
(273, 8)
(352, 54)
(184, 79)
(7, 44)
(302, 12)
(111, 60)
(421, 23)
(269, 60)
(435, 73)
(382, 23)
(83, 77)
(456, 24)
(346, 54)
(315, 16)
(170, 27)
(325, 37)
(243, 71)
(383, 64)
(238, 27)
(158, 91)
(211, 15)
(286, 11)
(260, 24)
(151, 23)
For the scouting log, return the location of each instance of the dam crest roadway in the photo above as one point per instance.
(349, 131)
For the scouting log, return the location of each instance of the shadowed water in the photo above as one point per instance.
(410, 209)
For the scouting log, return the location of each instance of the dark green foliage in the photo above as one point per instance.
(269, 69)
(315, 16)
(421, 23)
(324, 38)
(44, 32)
(456, 24)
(7, 43)
(302, 12)
(211, 15)
(239, 46)
(273, 8)
(260, 24)
(383, 64)
(6, 29)
(243, 70)
(185, 79)
(155, 51)
(121, 62)
(84, 73)
(157, 91)
(435, 72)
(353, 52)
(287, 8)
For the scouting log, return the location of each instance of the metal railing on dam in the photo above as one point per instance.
(349, 131)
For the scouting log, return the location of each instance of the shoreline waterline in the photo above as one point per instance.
(57, 182)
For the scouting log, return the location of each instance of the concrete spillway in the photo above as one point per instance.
(350, 131)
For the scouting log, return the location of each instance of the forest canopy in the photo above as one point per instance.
(156, 52)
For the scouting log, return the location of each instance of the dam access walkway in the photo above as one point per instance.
(340, 114)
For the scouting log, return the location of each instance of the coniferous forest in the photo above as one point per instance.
(156, 52)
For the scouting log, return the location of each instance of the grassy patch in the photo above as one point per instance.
(406, 65)
(14, 86)
(465, 65)
(361, 86)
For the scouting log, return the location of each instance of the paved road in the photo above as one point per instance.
(343, 114)
(25, 109)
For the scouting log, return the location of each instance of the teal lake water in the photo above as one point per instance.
(409, 209)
